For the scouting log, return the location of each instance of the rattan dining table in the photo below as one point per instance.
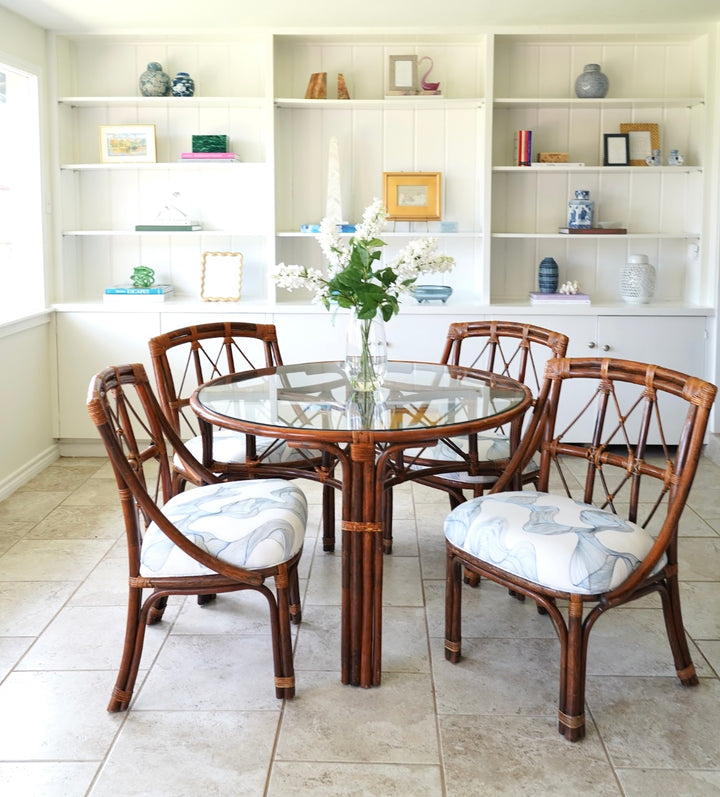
(312, 405)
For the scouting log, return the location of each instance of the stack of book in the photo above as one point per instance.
(170, 226)
(223, 157)
(155, 293)
(558, 298)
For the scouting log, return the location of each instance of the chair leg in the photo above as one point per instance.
(132, 651)
(328, 510)
(571, 714)
(203, 600)
(453, 587)
(294, 596)
(387, 513)
(282, 639)
(676, 633)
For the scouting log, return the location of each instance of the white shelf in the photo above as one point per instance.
(165, 102)
(605, 102)
(156, 233)
(602, 236)
(164, 166)
(417, 102)
(640, 170)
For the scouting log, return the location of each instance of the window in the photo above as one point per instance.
(22, 290)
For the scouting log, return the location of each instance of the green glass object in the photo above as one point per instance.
(142, 277)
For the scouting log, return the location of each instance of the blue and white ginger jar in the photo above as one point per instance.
(580, 211)
(154, 82)
(183, 85)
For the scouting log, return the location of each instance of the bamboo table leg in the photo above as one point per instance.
(362, 563)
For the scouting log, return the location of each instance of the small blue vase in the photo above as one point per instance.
(183, 85)
(548, 275)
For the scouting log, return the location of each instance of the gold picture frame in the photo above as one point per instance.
(644, 138)
(128, 144)
(221, 276)
(412, 196)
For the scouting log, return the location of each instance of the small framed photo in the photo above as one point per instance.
(616, 151)
(221, 276)
(644, 138)
(412, 196)
(127, 144)
(403, 74)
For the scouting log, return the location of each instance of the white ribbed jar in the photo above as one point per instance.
(637, 280)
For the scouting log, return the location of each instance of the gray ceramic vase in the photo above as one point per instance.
(591, 82)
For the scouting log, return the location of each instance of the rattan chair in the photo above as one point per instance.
(218, 537)
(514, 349)
(601, 528)
(185, 358)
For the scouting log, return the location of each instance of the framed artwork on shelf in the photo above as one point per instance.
(616, 149)
(644, 138)
(221, 276)
(403, 78)
(127, 144)
(412, 196)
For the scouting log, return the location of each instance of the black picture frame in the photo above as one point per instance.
(616, 149)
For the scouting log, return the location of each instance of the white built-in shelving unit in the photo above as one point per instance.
(251, 85)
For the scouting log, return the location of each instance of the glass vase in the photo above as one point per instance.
(365, 352)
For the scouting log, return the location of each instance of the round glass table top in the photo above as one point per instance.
(317, 397)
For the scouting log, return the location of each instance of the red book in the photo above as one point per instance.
(524, 153)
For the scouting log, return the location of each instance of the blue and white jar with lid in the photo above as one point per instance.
(183, 85)
(580, 211)
(154, 82)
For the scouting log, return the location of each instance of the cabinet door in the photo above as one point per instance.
(88, 342)
(311, 337)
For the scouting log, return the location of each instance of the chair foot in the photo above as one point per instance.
(295, 614)
(572, 728)
(517, 595)
(328, 545)
(155, 612)
(452, 651)
(472, 579)
(387, 546)
(205, 599)
(285, 688)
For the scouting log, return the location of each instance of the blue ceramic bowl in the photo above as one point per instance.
(431, 293)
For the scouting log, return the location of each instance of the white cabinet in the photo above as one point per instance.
(678, 342)
(88, 342)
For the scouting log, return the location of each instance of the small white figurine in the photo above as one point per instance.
(655, 159)
(569, 288)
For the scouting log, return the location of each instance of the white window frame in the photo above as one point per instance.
(22, 248)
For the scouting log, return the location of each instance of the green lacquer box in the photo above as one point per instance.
(210, 144)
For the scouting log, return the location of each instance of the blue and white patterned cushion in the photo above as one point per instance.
(229, 446)
(254, 524)
(551, 540)
(491, 448)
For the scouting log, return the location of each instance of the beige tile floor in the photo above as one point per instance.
(205, 720)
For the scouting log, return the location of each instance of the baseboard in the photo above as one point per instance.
(81, 448)
(30, 469)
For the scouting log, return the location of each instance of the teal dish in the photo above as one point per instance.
(431, 293)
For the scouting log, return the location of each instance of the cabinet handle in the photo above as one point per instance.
(606, 347)
(592, 344)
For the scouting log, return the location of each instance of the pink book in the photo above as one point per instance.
(209, 155)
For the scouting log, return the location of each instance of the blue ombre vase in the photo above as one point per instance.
(548, 275)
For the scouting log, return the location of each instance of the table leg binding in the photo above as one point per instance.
(350, 525)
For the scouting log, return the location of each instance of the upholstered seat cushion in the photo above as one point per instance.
(253, 524)
(491, 448)
(551, 540)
